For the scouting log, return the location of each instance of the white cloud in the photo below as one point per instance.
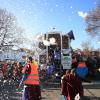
(82, 14)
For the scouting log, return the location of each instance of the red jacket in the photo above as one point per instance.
(71, 86)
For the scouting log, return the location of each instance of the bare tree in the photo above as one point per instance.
(10, 33)
(93, 21)
(87, 46)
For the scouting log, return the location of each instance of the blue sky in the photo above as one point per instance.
(40, 16)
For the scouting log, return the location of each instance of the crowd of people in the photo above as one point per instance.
(92, 62)
(26, 75)
(11, 70)
(29, 76)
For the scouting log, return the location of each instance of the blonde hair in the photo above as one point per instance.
(73, 72)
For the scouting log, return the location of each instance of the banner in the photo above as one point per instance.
(66, 61)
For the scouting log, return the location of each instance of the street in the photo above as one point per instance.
(50, 91)
(91, 92)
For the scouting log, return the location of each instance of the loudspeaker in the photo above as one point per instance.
(71, 35)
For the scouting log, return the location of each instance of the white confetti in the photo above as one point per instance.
(4, 81)
(71, 7)
(57, 5)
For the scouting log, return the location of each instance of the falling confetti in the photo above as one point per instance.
(71, 7)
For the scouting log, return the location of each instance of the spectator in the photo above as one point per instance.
(71, 85)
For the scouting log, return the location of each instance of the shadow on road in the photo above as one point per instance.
(90, 98)
(91, 86)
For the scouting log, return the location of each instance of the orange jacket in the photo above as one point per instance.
(81, 65)
(33, 77)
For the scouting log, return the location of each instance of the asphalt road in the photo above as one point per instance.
(51, 91)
